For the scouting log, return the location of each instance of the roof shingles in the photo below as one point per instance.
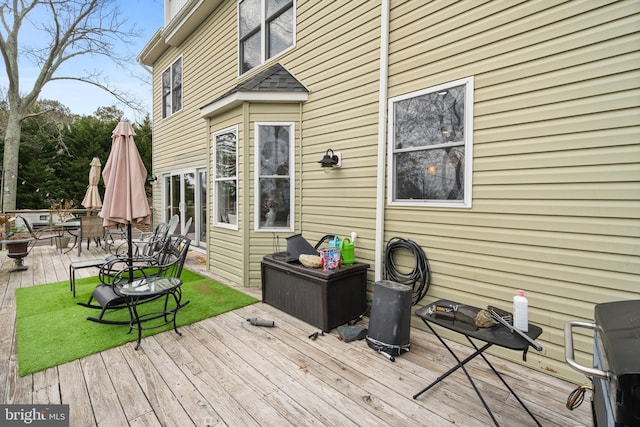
(274, 78)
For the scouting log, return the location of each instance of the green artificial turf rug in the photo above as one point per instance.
(52, 329)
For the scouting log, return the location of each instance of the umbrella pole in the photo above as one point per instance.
(130, 253)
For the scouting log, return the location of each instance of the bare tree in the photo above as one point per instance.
(66, 30)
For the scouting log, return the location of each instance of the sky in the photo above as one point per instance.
(85, 99)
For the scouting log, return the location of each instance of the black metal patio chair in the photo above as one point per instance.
(37, 235)
(116, 243)
(148, 242)
(115, 273)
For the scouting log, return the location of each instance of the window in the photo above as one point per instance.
(225, 166)
(431, 146)
(172, 89)
(274, 183)
(265, 28)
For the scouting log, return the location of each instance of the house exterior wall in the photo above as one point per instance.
(555, 165)
(261, 243)
(233, 254)
(341, 70)
(556, 176)
(225, 254)
(182, 140)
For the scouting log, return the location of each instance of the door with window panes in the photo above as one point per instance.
(185, 195)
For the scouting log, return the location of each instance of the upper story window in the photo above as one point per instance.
(225, 166)
(274, 187)
(265, 28)
(172, 8)
(172, 89)
(431, 146)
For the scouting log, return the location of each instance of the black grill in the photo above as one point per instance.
(615, 373)
(616, 397)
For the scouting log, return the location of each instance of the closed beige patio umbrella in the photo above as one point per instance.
(91, 199)
(124, 174)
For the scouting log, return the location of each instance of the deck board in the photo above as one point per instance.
(73, 390)
(224, 371)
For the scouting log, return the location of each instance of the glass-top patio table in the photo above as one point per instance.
(142, 290)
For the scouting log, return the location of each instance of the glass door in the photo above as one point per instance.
(185, 196)
(200, 221)
(188, 201)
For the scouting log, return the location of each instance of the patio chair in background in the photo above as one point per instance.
(41, 234)
(145, 245)
(187, 226)
(114, 237)
(168, 262)
(117, 245)
(149, 243)
(90, 228)
(173, 224)
(167, 228)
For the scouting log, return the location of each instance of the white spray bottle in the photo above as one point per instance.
(520, 312)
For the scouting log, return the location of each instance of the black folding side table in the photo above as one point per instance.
(497, 335)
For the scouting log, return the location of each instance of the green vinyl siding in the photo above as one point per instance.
(556, 177)
(556, 158)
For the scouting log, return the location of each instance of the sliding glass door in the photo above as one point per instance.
(185, 195)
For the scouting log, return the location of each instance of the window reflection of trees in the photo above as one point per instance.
(278, 26)
(280, 33)
(274, 180)
(429, 146)
(249, 16)
(431, 175)
(225, 173)
(172, 88)
(176, 87)
(190, 179)
(226, 155)
(166, 92)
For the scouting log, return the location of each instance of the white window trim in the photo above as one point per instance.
(170, 68)
(468, 147)
(214, 200)
(263, 53)
(256, 179)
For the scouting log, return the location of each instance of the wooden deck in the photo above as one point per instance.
(223, 371)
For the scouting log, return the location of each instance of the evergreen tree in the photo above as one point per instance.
(65, 30)
(57, 148)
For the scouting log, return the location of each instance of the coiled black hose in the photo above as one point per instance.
(419, 278)
(576, 397)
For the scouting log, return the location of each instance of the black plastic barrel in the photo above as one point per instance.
(390, 319)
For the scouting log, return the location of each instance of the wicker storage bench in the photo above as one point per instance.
(324, 299)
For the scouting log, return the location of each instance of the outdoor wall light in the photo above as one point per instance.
(330, 160)
(153, 179)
